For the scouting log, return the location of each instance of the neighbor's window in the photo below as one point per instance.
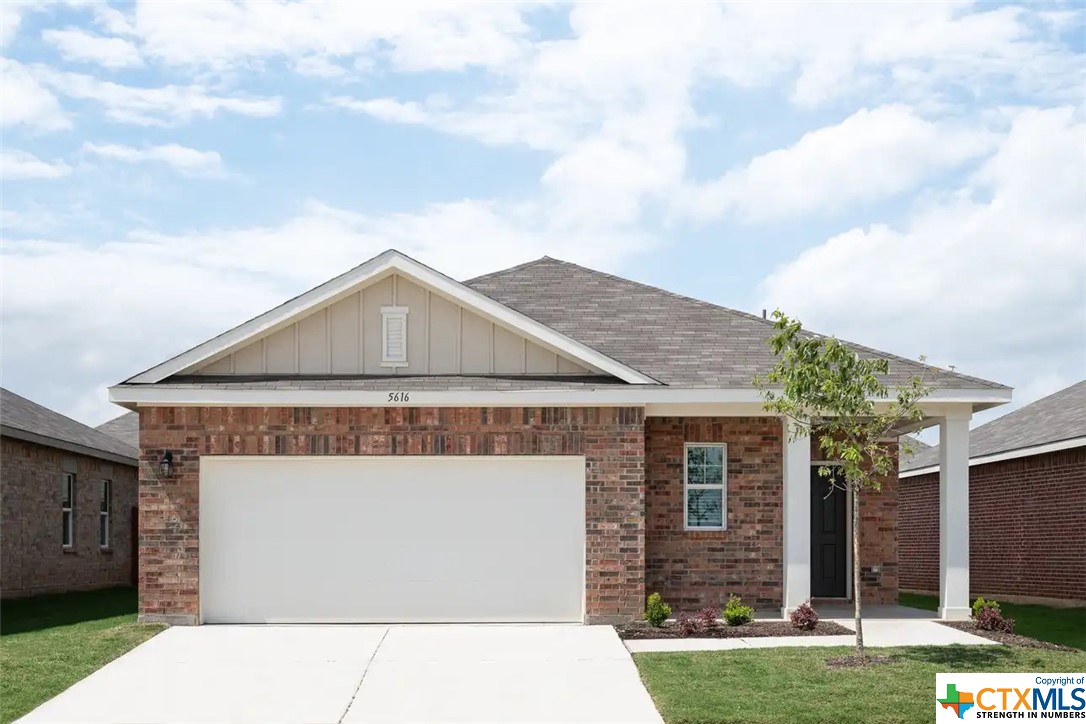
(105, 508)
(67, 506)
(706, 486)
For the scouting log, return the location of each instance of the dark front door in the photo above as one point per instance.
(828, 538)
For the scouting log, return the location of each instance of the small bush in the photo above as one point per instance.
(656, 611)
(735, 613)
(990, 619)
(980, 604)
(708, 616)
(804, 617)
(690, 624)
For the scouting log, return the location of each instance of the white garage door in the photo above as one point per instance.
(387, 539)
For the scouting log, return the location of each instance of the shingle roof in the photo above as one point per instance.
(1060, 416)
(125, 428)
(677, 340)
(21, 418)
(397, 382)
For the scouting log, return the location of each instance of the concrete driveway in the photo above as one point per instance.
(448, 673)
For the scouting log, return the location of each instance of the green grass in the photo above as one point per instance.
(795, 685)
(47, 643)
(1065, 626)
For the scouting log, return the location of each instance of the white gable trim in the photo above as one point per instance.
(1023, 452)
(389, 262)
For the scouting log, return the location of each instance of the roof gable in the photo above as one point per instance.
(281, 328)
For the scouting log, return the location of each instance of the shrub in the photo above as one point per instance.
(708, 616)
(656, 611)
(805, 617)
(690, 624)
(990, 619)
(735, 613)
(980, 604)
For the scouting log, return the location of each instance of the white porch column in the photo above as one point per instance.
(954, 515)
(797, 520)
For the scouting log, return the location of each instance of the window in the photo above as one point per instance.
(393, 336)
(105, 509)
(706, 469)
(67, 508)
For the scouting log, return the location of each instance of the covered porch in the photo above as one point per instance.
(800, 569)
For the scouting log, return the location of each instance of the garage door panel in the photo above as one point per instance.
(392, 539)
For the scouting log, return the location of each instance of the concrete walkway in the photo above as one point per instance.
(878, 632)
(390, 674)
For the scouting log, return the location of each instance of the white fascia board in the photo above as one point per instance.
(385, 263)
(1023, 452)
(668, 399)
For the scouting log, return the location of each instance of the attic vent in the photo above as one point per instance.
(393, 336)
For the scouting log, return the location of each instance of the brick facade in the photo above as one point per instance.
(33, 559)
(1027, 528)
(611, 439)
(692, 569)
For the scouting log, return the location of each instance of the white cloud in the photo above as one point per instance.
(319, 66)
(160, 106)
(871, 155)
(16, 165)
(27, 102)
(410, 35)
(992, 276)
(80, 46)
(188, 161)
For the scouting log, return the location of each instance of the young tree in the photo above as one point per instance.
(835, 396)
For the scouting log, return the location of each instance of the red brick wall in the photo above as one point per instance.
(32, 559)
(1027, 528)
(611, 439)
(691, 569)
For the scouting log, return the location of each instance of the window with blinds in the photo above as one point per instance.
(394, 336)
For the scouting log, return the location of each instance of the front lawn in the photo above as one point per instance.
(795, 685)
(47, 643)
(1065, 626)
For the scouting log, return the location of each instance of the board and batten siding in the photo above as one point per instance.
(443, 338)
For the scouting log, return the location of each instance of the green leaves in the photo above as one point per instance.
(839, 398)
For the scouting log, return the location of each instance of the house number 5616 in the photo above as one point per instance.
(399, 397)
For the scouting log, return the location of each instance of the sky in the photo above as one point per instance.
(909, 176)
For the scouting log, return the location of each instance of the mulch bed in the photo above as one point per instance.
(757, 629)
(853, 661)
(1006, 638)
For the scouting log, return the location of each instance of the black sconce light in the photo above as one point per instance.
(165, 465)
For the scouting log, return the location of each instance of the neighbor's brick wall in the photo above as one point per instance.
(692, 569)
(611, 439)
(1027, 528)
(32, 560)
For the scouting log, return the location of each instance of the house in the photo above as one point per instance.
(67, 503)
(544, 443)
(1027, 506)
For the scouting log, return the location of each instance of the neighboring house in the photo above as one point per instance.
(67, 496)
(544, 443)
(125, 428)
(1027, 505)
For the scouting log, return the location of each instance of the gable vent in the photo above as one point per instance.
(394, 336)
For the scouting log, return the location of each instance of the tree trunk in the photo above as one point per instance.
(856, 574)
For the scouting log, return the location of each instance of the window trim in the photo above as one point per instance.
(388, 313)
(105, 496)
(68, 530)
(722, 486)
